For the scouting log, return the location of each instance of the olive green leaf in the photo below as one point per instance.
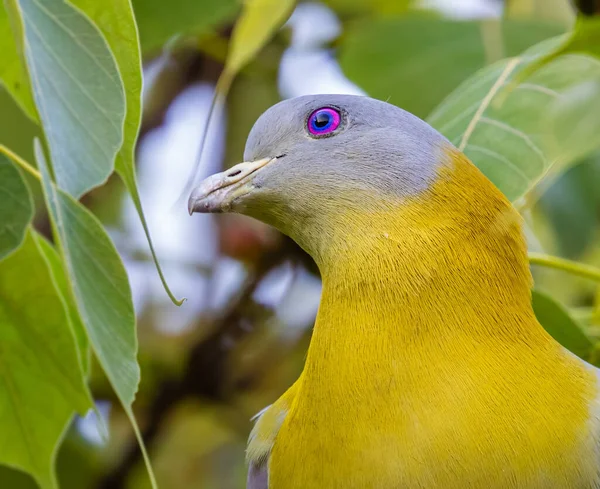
(41, 382)
(369, 7)
(159, 21)
(100, 287)
(12, 72)
(77, 89)
(509, 141)
(555, 10)
(16, 207)
(560, 325)
(257, 23)
(416, 61)
(116, 21)
(99, 284)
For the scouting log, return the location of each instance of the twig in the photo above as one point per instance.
(569, 266)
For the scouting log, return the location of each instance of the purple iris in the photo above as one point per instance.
(323, 121)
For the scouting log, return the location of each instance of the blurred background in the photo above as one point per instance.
(240, 339)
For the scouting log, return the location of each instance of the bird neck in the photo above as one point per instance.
(444, 274)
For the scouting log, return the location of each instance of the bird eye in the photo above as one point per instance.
(323, 121)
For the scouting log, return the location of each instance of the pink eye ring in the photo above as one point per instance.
(323, 121)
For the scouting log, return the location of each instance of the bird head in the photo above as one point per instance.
(339, 173)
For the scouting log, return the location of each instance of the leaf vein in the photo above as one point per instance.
(512, 64)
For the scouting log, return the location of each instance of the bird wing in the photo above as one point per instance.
(262, 438)
(258, 477)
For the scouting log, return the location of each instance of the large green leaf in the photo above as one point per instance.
(415, 61)
(77, 89)
(12, 72)
(563, 328)
(41, 382)
(510, 141)
(116, 21)
(159, 21)
(100, 286)
(16, 207)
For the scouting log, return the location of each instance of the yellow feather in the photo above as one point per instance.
(427, 367)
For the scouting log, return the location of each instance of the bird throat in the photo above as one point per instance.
(424, 288)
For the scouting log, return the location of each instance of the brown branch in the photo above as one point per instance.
(205, 375)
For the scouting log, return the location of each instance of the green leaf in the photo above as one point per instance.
(61, 284)
(77, 89)
(508, 141)
(583, 39)
(16, 479)
(16, 129)
(116, 21)
(416, 61)
(560, 325)
(100, 287)
(99, 284)
(574, 121)
(12, 72)
(41, 382)
(16, 207)
(369, 7)
(159, 21)
(556, 10)
(571, 205)
(257, 23)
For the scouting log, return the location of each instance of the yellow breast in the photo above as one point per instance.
(427, 367)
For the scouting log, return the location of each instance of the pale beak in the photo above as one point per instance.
(217, 192)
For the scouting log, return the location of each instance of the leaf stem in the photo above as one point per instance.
(569, 266)
(20, 161)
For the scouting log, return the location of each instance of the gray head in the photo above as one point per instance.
(311, 160)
